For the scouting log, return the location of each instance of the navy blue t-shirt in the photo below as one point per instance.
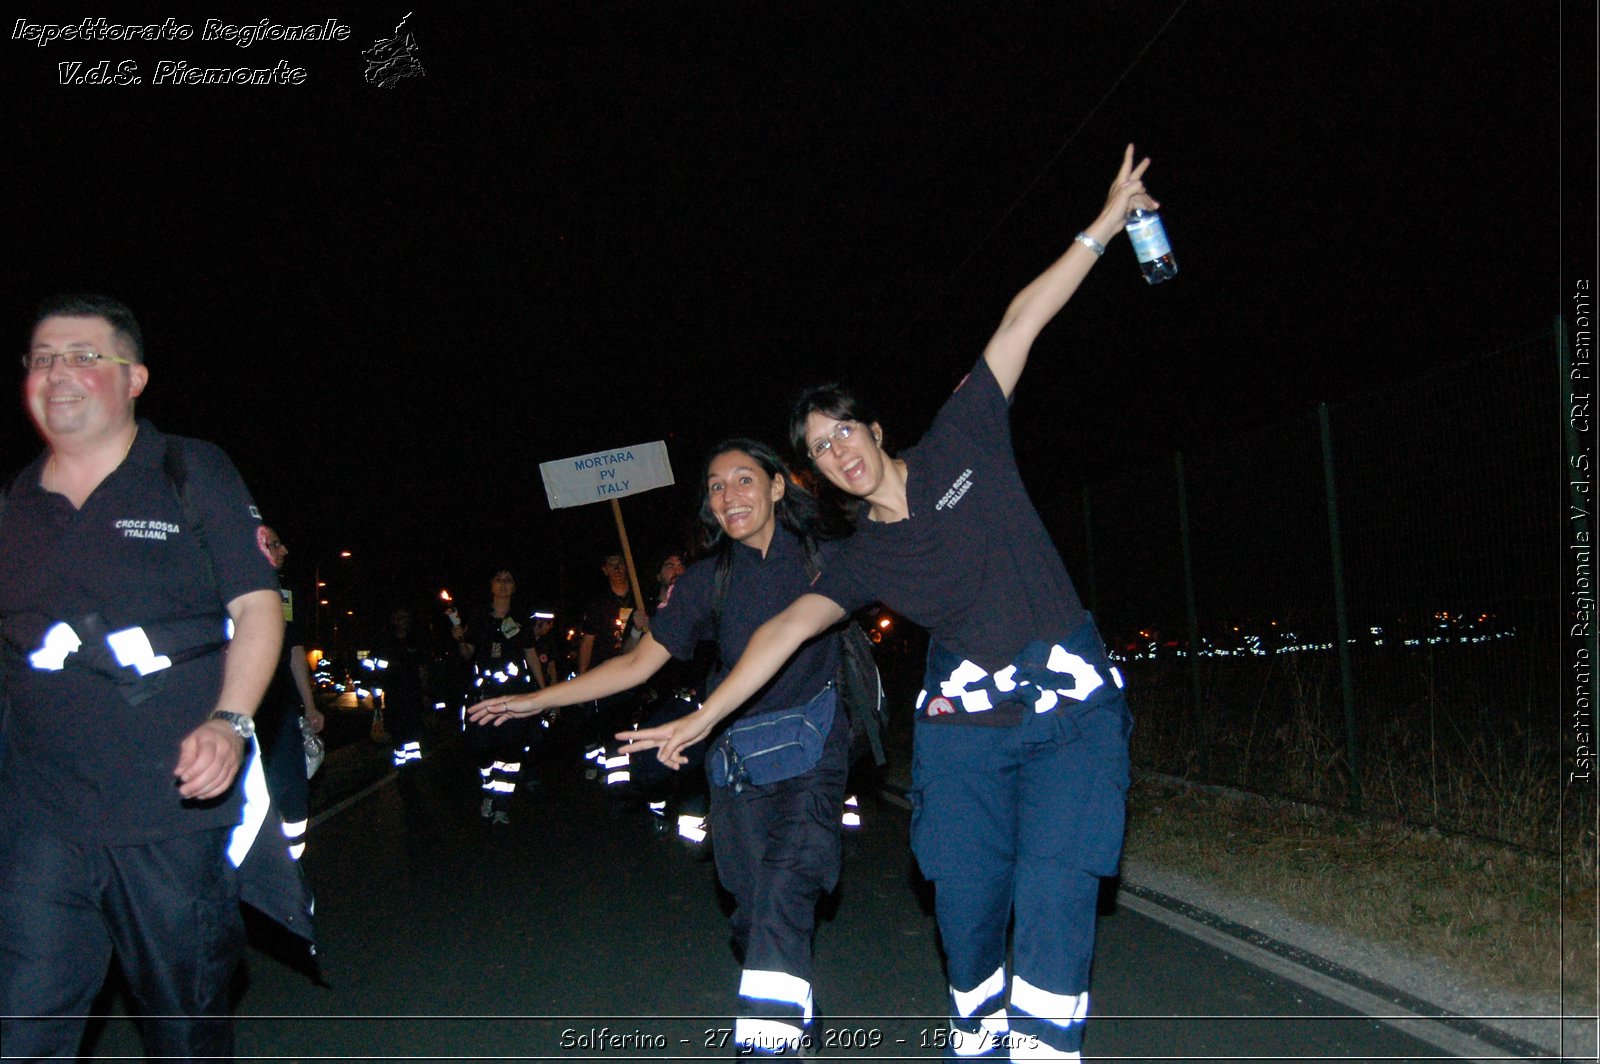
(80, 758)
(499, 641)
(973, 563)
(758, 589)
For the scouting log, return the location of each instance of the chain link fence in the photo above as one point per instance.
(1357, 607)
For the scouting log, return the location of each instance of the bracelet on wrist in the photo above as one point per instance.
(1091, 243)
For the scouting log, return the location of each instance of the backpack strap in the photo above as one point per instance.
(719, 597)
(860, 687)
(177, 470)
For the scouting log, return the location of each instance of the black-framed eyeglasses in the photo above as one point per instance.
(39, 361)
(842, 431)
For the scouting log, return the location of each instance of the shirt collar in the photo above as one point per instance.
(149, 449)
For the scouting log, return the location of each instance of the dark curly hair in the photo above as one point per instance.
(796, 511)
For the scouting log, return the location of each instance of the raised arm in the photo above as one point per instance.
(610, 676)
(773, 644)
(1037, 304)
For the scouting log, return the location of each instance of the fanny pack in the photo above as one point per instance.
(774, 746)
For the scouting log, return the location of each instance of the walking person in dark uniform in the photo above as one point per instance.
(1020, 770)
(546, 649)
(127, 725)
(289, 701)
(609, 627)
(401, 665)
(497, 641)
(777, 845)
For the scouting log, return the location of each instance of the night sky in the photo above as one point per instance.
(594, 224)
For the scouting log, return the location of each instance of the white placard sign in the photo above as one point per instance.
(606, 474)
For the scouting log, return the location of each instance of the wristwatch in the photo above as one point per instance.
(237, 721)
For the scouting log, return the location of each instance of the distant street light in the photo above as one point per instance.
(321, 601)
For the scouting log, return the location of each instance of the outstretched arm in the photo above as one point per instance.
(773, 644)
(1037, 304)
(607, 678)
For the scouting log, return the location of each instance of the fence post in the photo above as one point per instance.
(1341, 614)
(1202, 722)
(1088, 555)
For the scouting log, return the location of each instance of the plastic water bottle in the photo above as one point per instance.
(1150, 244)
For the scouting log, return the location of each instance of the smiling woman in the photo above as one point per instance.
(1021, 762)
(777, 840)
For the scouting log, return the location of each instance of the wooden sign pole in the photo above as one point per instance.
(627, 555)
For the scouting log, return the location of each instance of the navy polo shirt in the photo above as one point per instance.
(973, 563)
(80, 757)
(758, 589)
(496, 640)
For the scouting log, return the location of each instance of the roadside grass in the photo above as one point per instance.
(1462, 739)
(1500, 916)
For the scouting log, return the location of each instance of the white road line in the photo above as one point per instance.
(340, 807)
(1425, 1028)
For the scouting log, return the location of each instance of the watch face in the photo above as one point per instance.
(240, 723)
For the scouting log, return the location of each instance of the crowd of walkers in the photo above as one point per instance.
(1020, 762)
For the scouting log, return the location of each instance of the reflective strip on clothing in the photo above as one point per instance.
(1063, 1010)
(59, 641)
(984, 1039)
(256, 804)
(969, 1002)
(132, 648)
(765, 1037)
(779, 987)
(1041, 676)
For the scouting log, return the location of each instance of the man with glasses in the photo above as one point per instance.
(125, 555)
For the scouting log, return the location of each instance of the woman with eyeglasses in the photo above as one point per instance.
(1020, 768)
(777, 844)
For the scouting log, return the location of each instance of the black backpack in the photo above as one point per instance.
(860, 689)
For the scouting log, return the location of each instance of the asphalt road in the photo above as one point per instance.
(579, 932)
